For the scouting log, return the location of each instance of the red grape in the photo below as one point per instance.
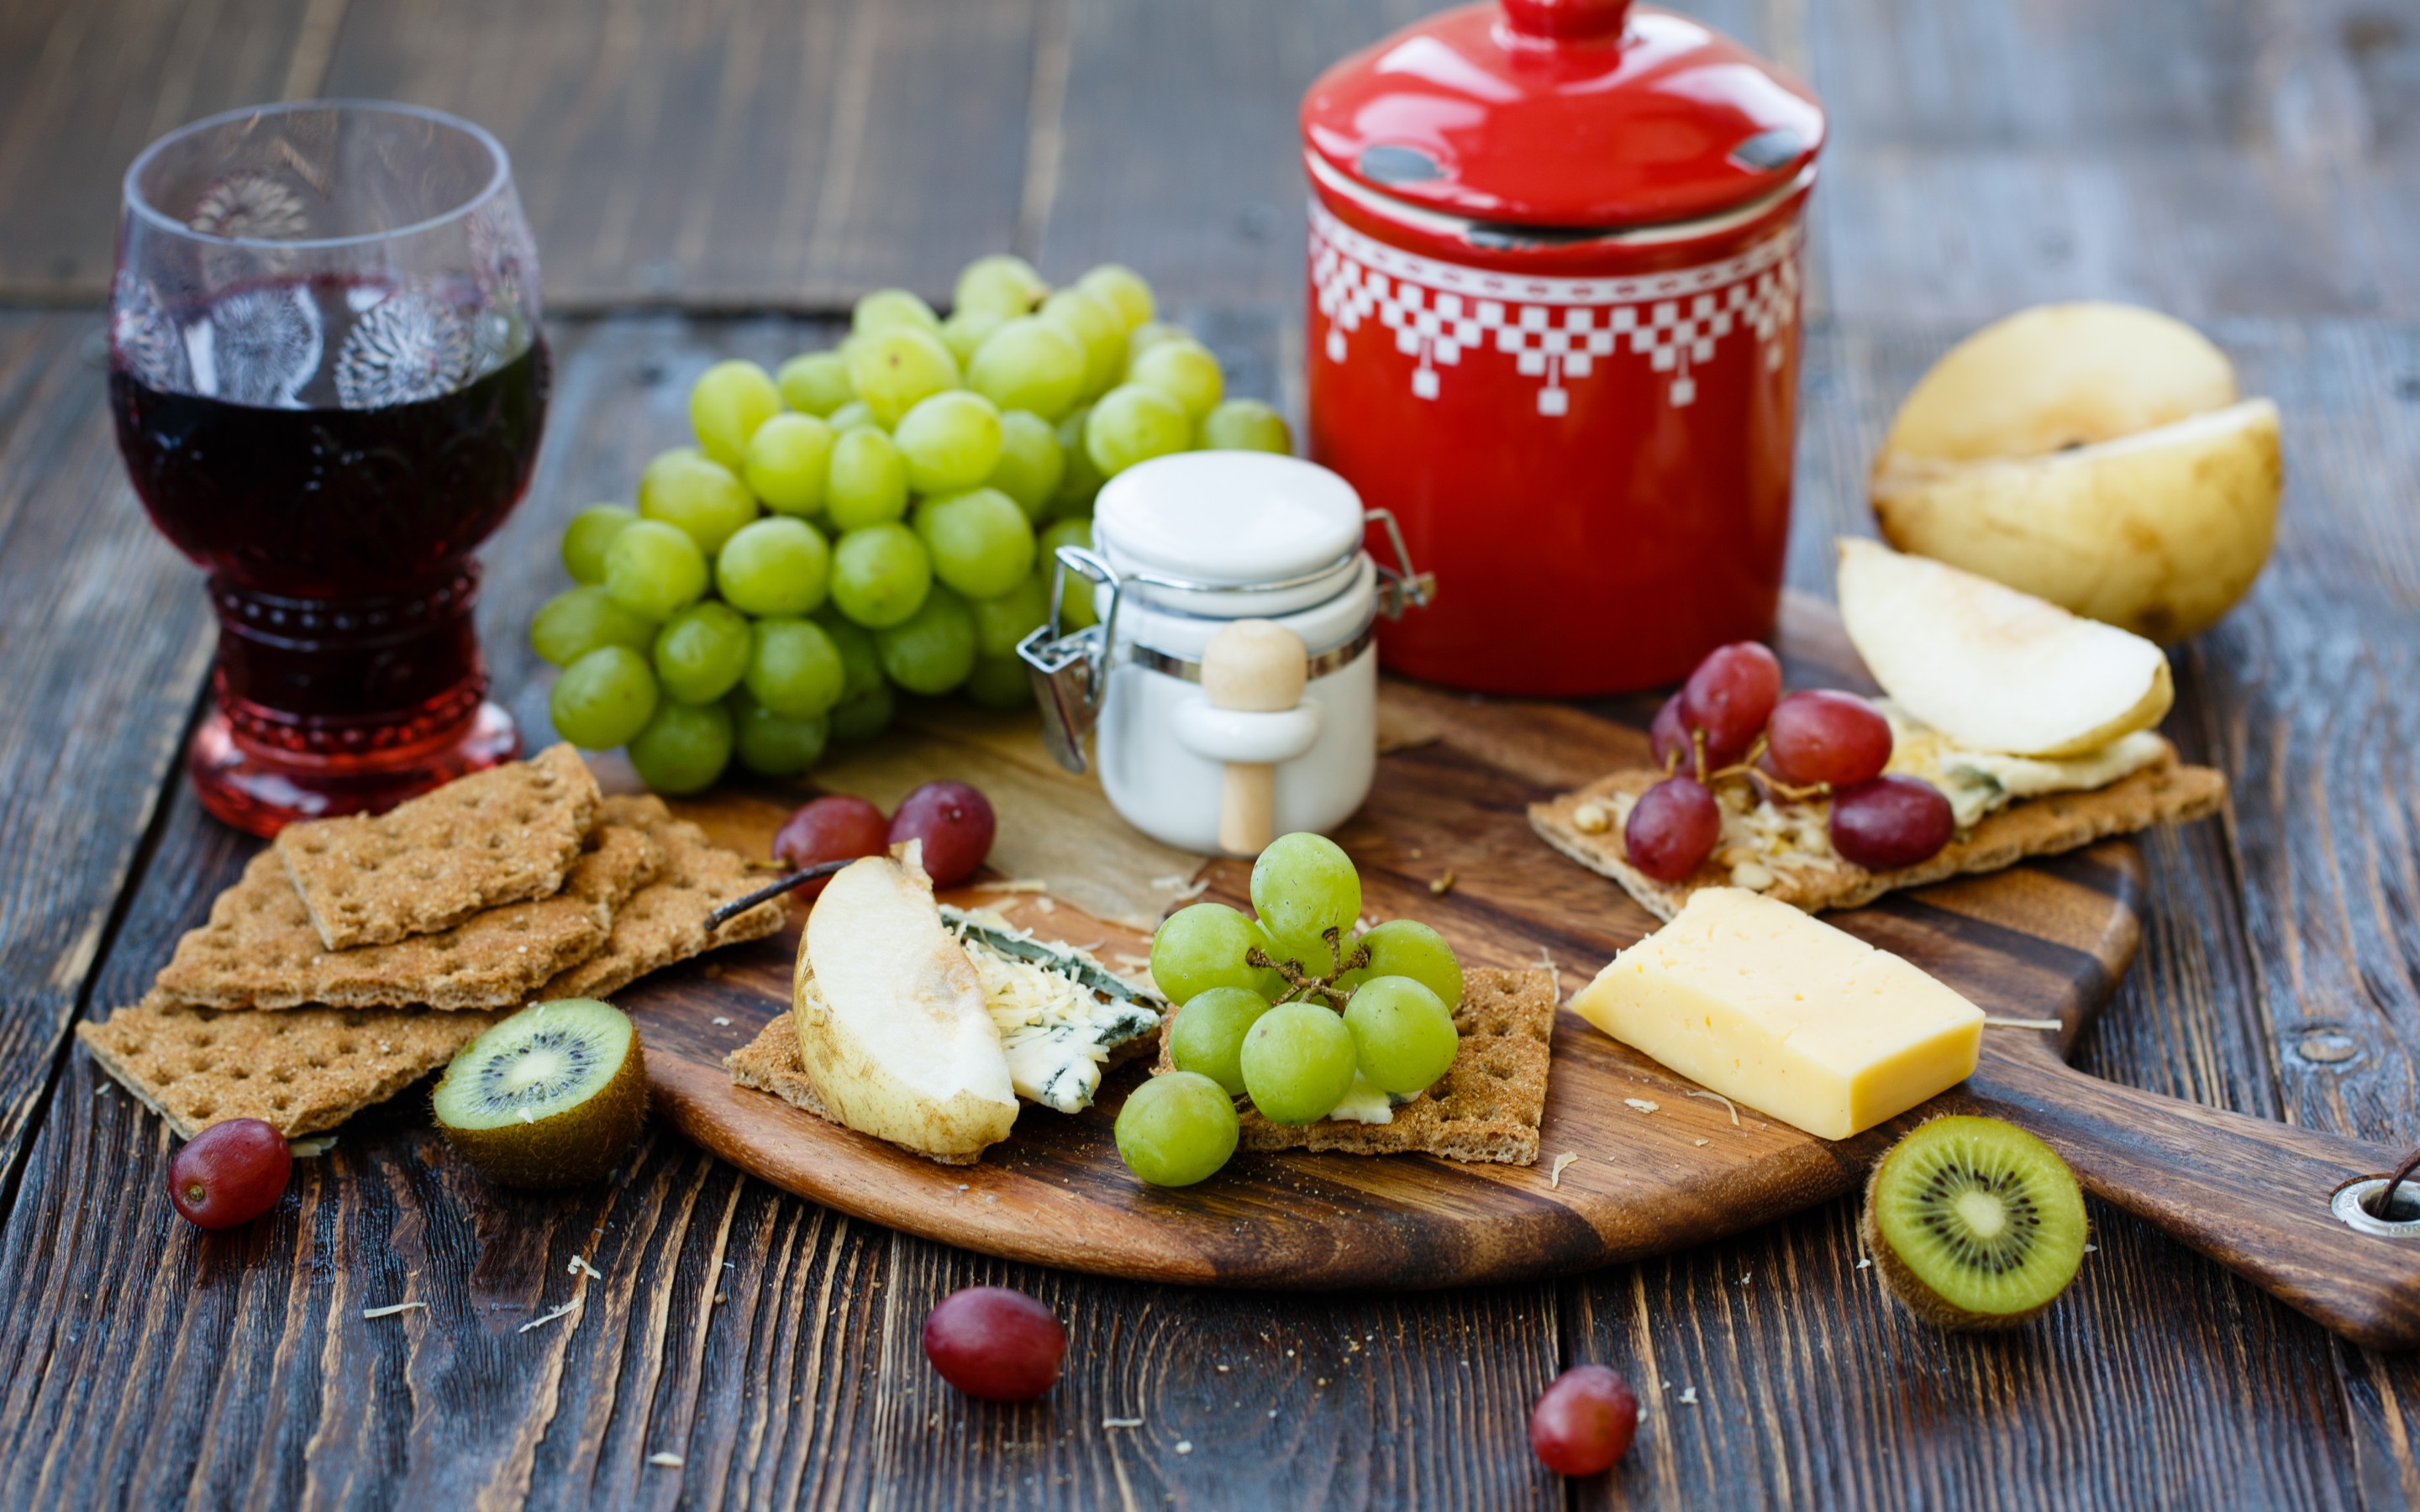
(1729, 697)
(230, 1173)
(1890, 822)
(1826, 737)
(832, 829)
(1585, 1420)
(1672, 828)
(1670, 738)
(993, 1343)
(956, 823)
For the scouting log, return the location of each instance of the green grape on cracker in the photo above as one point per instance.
(1402, 1034)
(1298, 1061)
(1177, 1129)
(1203, 946)
(1207, 1034)
(1303, 886)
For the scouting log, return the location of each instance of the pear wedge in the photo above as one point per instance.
(894, 1029)
(1993, 669)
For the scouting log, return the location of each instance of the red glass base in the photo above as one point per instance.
(263, 791)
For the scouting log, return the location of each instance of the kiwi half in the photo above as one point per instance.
(1975, 1223)
(552, 1095)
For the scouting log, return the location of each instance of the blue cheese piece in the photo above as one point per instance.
(1977, 782)
(1055, 1031)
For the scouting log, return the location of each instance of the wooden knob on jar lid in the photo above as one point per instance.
(1252, 667)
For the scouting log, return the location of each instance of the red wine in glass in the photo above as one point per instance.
(330, 415)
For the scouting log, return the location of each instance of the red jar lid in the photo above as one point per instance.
(1563, 112)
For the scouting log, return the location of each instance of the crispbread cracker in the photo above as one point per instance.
(301, 1072)
(1485, 1107)
(492, 838)
(666, 921)
(771, 1063)
(2168, 793)
(259, 950)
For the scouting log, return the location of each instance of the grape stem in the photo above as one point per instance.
(1301, 986)
(1766, 782)
(738, 906)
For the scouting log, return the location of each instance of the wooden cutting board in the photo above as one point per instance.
(2047, 940)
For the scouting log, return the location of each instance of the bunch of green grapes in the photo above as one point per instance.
(879, 516)
(1296, 1010)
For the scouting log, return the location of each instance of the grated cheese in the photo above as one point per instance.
(1641, 1103)
(1056, 1032)
(544, 1319)
(391, 1310)
(669, 1461)
(1725, 1102)
(1554, 1177)
(1128, 1422)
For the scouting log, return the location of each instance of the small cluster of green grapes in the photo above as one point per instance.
(1296, 1010)
(880, 515)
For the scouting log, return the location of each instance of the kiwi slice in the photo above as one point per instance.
(552, 1095)
(1975, 1223)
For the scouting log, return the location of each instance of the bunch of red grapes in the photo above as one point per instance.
(1731, 721)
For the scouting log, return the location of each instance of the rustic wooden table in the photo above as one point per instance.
(717, 178)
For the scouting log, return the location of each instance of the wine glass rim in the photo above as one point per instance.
(136, 203)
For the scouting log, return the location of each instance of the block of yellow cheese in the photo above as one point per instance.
(1781, 1013)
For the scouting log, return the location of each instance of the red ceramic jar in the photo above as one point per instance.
(1555, 254)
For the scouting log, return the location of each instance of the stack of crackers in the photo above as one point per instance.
(357, 955)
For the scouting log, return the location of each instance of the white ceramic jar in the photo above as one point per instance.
(1184, 546)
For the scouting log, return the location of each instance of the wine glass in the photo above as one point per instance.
(329, 383)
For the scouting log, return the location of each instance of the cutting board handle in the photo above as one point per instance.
(2251, 1194)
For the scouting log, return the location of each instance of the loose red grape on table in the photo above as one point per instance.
(994, 1343)
(954, 821)
(832, 829)
(1584, 1422)
(230, 1173)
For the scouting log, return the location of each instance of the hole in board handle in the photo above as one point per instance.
(2351, 1207)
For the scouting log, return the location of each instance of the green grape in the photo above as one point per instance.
(1185, 371)
(1202, 947)
(701, 652)
(1032, 363)
(861, 719)
(1245, 425)
(1402, 1034)
(1407, 948)
(999, 682)
(1176, 1128)
(894, 367)
(1303, 885)
(860, 664)
(1298, 1061)
(687, 488)
(777, 567)
(933, 649)
(790, 462)
(890, 309)
(1143, 337)
(869, 479)
(951, 440)
(1102, 331)
(966, 330)
(1031, 461)
(816, 383)
(575, 623)
(1134, 424)
(684, 748)
(880, 574)
(587, 537)
(603, 699)
(1003, 621)
(1082, 479)
(795, 670)
(851, 416)
(774, 745)
(1207, 1035)
(654, 569)
(1123, 290)
(727, 404)
(981, 543)
(1002, 284)
(1076, 611)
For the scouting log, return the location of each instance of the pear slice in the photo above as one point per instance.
(1995, 669)
(895, 1031)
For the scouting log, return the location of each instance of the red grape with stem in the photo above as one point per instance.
(1890, 823)
(999, 1345)
(1669, 739)
(830, 828)
(1826, 736)
(1672, 828)
(1585, 1420)
(1729, 697)
(230, 1173)
(956, 823)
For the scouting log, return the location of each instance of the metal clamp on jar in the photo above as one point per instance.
(1231, 673)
